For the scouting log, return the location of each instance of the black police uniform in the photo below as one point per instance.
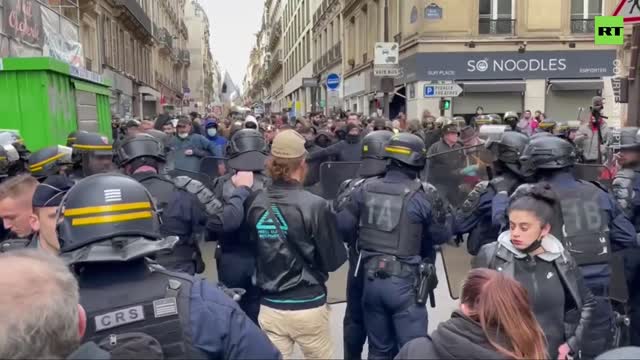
(110, 225)
(183, 214)
(399, 219)
(588, 222)
(626, 189)
(373, 166)
(235, 255)
(475, 217)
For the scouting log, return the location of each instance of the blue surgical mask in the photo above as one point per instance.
(212, 132)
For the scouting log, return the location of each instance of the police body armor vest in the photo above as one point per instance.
(384, 222)
(158, 307)
(585, 230)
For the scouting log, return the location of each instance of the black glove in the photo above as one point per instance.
(503, 183)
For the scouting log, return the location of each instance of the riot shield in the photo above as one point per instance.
(599, 173)
(333, 174)
(457, 263)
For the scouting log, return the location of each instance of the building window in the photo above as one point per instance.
(583, 13)
(497, 17)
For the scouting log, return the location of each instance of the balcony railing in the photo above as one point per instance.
(133, 15)
(583, 26)
(166, 41)
(497, 27)
(184, 56)
(276, 33)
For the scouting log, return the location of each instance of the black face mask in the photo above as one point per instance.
(534, 245)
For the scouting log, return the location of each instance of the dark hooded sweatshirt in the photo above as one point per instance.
(456, 338)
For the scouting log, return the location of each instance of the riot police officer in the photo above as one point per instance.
(373, 166)
(475, 217)
(235, 256)
(52, 160)
(399, 219)
(96, 152)
(626, 190)
(108, 226)
(17, 152)
(511, 119)
(183, 215)
(589, 223)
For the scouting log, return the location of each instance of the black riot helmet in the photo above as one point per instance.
(103, 207)
(96, 152)
(138, 147)
(93, 142)
(247, 150)
(13, 139)
(548, 152)
(407, 149)
(509, 147)
(511, 118)
(374, 155)
(49, 161)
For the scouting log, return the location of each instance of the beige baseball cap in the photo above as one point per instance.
(288, 144)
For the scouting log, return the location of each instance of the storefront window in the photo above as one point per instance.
(497, 17)
(583, 13)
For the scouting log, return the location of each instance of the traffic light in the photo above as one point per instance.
(445, 104)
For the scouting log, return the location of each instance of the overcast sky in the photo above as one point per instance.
(234, 24)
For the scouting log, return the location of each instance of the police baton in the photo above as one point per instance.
(454, 150)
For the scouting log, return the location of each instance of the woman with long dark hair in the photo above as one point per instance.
(531, 255)
(494, 321)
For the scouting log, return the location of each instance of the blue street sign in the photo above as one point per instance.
(333, 81)
(429, 90)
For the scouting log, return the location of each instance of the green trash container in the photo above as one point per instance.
(46, 99)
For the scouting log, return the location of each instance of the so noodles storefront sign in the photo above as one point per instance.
(509, 65)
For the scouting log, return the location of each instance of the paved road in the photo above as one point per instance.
(456, 258)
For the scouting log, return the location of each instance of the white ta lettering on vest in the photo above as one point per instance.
(119, 318)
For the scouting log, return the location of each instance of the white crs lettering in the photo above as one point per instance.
(383, 218)
(582, 215)
(119, 318)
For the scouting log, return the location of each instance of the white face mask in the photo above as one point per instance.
(183, 136)
(212, 132)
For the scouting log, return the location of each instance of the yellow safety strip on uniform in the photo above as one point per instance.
(107, 208)
(92, 147)
(397, 150)
(41, 164)
(71, 139)
(107, 219)
(3, 158)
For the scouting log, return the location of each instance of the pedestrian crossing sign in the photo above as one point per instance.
(630, 10)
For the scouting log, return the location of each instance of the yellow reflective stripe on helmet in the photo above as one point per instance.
(107, 208)
(3, 158)
(38, 166)
(92, 147)
(71, 139)
(398, 150)
(107, 219)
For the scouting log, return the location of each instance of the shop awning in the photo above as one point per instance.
(149, 91)
(91, 87)
(493, 86)
(576, 84)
